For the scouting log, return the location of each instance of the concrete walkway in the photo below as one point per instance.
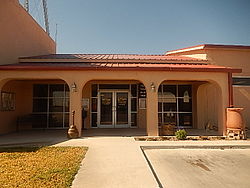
(112, 162)
(119, 161)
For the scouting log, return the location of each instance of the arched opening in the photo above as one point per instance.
(114, 104)
(190, 105)
(34, 104)
(209, 104)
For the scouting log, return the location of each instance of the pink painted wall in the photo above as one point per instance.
(20, 35)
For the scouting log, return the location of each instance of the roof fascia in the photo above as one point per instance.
(171, 69)
(198, 47)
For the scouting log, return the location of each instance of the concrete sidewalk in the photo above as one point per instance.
(119, 161)
(112, 162)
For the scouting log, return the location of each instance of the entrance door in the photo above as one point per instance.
(113, 109)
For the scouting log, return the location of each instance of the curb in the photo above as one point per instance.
(197, 147)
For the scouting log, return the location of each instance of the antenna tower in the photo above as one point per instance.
(46, 18)
(45, 13)
(26, 5)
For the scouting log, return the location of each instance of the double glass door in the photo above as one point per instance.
(113, 109)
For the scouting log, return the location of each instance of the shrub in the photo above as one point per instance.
(181, 134)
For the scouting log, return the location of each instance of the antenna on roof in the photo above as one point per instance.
(26, 5)
(56, 35)
(46, 18)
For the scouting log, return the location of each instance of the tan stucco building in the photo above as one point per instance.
(187, 88)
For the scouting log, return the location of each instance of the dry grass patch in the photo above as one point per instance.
(39, 167)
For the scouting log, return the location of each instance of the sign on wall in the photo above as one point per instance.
(85, 103)
(7, 101)
(142, 103)
(142, 91)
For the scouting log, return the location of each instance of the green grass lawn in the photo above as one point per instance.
(39, 166)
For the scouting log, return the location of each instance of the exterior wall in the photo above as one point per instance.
(231, 58)
(242, 99)
(80, 78)
(20, 35)
(23, 93)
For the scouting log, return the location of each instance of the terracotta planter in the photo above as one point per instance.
(234, 118)
(73, 132)
(167, 129)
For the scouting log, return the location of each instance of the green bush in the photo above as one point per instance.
(181, 134)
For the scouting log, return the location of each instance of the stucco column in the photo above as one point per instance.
(152, 111)
(2, 83)
(225, 105)
(75, 105)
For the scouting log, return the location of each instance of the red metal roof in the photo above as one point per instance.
(115, 62)
(105, 57)
(184, 67)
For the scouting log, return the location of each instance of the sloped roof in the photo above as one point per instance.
(117, 62)
(107, 58)
(110, 66)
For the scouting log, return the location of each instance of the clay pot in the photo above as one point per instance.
(73, 132)
(167, 129)
(234, 118)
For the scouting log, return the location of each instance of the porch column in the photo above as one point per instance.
(76, 105)
(2, 83)
(224, 104)
(152, 110)
(230, 89)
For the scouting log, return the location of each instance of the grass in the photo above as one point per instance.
(39, 166)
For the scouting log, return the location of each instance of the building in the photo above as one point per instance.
(187, 88)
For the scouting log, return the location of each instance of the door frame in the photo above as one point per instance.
(114, 111)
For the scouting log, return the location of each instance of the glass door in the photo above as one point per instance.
(106, 109)
(121, 109)
(113, 110)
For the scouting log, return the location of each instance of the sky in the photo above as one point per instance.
(144, 26)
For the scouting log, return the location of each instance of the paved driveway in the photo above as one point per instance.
(191, 168)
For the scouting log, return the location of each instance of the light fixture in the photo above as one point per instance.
(73, 87)
(152, 87)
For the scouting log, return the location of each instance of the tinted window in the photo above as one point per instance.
(241, 81)
(40, 90)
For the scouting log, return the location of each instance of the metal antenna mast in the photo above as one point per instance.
(45, 10)
(26, 5)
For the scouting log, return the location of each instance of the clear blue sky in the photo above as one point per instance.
(147, 26)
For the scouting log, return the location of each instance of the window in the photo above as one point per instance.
(175, 105)
(241, 81)
(51, 105)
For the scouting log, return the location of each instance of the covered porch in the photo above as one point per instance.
(132, 95)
